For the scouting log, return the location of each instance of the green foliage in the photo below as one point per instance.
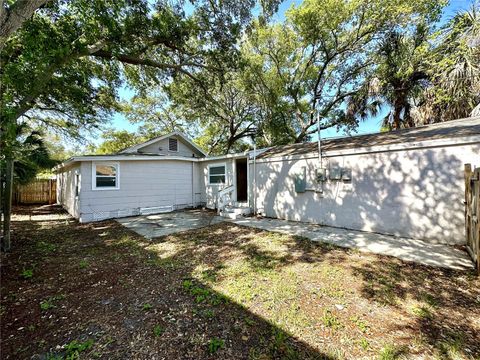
(330, 320)
(114, 141)
(215, 344)
(75, 348)
(83, 264)
(158, 330)
(49, 303)
(147, 306)
(391, 352)
(27, 273)
(46, 247)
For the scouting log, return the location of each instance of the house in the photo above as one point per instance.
(407, 182)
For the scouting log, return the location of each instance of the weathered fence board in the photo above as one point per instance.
(472, 213)
(40, 191)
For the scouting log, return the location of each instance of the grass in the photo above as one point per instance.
(225, 291)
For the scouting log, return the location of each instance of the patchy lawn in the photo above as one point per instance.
(228, 292)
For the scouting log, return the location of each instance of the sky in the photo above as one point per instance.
(368, 126)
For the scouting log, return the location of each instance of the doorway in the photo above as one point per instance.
(242, 181)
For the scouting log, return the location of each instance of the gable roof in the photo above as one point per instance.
(135, 148)
(445, 130)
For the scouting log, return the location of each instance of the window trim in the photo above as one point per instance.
(224, 173)
(176, 151)
(94, 175)
(77, 183)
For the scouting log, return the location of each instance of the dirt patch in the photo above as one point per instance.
(229, 292)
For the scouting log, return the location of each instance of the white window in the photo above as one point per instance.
(105, 176)
(77, 184)
(216, 174)
(172, 144)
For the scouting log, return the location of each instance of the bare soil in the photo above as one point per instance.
(88, 291)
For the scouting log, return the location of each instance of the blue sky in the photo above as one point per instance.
(370, 125)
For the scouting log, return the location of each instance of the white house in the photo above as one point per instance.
(407, 182)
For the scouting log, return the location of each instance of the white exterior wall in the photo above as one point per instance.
(66, 190)
(210, 192)
(142, 184)
(415, 193)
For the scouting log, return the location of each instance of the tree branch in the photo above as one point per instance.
(13, 17)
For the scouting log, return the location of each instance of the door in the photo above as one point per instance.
(241, 165)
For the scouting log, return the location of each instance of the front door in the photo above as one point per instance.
(241, 165)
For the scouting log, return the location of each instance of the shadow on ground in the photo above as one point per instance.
(101, 290)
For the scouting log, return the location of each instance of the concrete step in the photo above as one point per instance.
(234, 212)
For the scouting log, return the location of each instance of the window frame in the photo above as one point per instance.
(77, 183)
(172, 138)
(224, 173)
(94, 175)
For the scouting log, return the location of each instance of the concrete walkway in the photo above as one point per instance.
(153, 226)
(406, 249)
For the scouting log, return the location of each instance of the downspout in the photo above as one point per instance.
(320, 158)
(254, 178)
(193, 187)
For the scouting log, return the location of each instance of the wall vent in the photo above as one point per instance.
(156, 210)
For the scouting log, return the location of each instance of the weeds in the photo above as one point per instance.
(214, 345)
(147, 306)
(27, 273)
(158, 330)
(50, 302)
(330, 320)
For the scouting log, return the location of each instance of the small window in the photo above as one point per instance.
(216, 174)
(105, 176)
(77, 184)
(172, 144)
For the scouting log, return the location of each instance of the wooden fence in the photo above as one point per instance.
(472, 213)
(40, 191)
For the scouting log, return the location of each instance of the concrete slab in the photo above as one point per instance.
(153, 226)
(406, 249)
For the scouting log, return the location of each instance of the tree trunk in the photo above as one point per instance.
(13, 17)
(7, 204)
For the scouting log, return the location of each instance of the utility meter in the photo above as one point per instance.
(346, 174)
(321, 174)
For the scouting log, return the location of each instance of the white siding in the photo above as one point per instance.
(161, 147)
(415, 193)
(210, 192)
(66, 190)
(142, 184)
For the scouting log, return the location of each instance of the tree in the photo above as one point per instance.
(31, 155)
(117, 140)
(227, 113)
(62, 61)
(400, 78)
(455, 70)
(323, 56)
(155, 114)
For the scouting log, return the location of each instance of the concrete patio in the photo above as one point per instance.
(153, 226)
(406, 249)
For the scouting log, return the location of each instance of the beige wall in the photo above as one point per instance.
(415, 193)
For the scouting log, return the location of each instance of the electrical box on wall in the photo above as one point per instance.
(335, 173)
(346, 174)
(300, 180)
(321, 174)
